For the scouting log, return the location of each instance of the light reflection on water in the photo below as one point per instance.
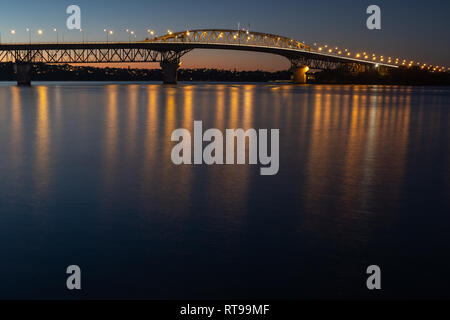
(86, 177)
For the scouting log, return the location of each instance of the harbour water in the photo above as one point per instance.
(86, 178)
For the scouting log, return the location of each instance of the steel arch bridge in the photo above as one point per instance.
(173, 46)
(170, 48)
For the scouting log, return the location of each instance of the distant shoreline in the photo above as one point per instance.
(68, 73)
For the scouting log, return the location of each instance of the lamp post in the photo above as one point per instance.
(13, 32)
(239, 32)
(29, 34)
(130, 33)
(108, 33)
(57, 35)
(40, 32)
(151, 32)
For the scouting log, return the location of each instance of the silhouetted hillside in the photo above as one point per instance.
(401, 76)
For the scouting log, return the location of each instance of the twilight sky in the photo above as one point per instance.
(415, 29)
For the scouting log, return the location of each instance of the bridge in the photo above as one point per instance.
(170, 48)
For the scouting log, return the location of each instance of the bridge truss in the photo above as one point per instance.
(90, 55)
(329, 64)
(232, 37)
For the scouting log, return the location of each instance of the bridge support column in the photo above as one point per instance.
(24, 71)
(299, 74)
(170, 69)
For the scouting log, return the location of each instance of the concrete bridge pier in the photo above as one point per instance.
(24, 71)
(170, 70)
(299, 74)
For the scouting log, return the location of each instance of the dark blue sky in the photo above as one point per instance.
(413, 29)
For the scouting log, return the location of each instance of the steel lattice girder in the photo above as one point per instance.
(232, 37)
(90, 55)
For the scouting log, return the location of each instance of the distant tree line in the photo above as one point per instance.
(46, 72)
(401, 76)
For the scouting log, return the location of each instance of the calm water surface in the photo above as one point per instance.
(86, 178)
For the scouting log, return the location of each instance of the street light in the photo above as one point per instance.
(13, 32)
(57, 36)
(151, 32)
(29, 33)
(108, 32)
(40, 32)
